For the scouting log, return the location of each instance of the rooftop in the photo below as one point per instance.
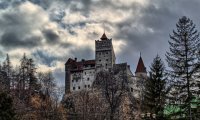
(104, 37)
(140, 66)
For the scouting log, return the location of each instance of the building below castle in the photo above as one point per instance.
(80, 75)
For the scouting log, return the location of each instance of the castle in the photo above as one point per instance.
(79, 75)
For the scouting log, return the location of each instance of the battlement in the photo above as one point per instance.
(103, 44)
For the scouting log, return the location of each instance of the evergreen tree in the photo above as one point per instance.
(6, 107)
(8, 65)
(7, 70)
(182, 59)
(155, 88)
(27, 80)
(33, 84)
(22, 84)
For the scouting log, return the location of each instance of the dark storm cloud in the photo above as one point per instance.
(78, 5)
(43, 3)
(92, 35)
(148, 27)
(14, 20)
(82, 53)
(59, 75)
(65, 45)
(16, 30)
(51, 36)
(12, 40)
(153, 25)
(44, 57)
(8, 3)
(2, 54)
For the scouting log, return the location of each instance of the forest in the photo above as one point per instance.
(170, 92)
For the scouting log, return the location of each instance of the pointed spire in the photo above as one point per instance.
(140, 66)
(104, 37)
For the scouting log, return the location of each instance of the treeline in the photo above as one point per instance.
(28, 94)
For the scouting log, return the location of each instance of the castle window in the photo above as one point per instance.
(88, 78)
(72, 80)
(85, 86)
(106, 66)
(106, 59)
(106, 52)
(100, 60)
(85, 73)
(76, 80)
(131, 89)
(79, 87)
(74, 88)
(88, 86)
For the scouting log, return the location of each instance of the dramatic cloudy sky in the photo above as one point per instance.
(51, 31)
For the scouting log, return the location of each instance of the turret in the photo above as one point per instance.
(141, 69)
(104, 53)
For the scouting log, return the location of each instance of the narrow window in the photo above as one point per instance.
(131, 89)
(85, 73)
(79, 87)
(88, 86)
(74, 88)
(88, 78)
(85, 86)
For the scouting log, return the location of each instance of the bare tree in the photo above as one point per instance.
(113, 86)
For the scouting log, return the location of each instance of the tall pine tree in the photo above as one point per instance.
(33, 82)
(7, 70)
(155, 88)
(182, 59)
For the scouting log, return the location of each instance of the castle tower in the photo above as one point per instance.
(104, 53)
(141, 69)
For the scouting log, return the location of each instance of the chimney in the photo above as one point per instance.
(75, 59)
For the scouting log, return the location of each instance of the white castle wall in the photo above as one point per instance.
(104, 60)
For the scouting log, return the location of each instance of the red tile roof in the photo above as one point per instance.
(104, 37)
(78, 66)
(70, 61)
(88, 62)
(140, 66)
